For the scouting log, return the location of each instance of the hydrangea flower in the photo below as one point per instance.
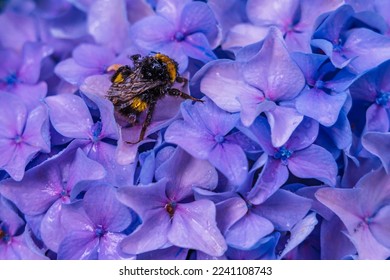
(373, 88)
(19, 72)
(364, 211)
(204, 133)
(23, 134)
(299, 156)
(295, 19)
(346, 45)
(48, 187)
(180, 29)
(264, 81)
(97, 233)
(171, 216)
(14, 245)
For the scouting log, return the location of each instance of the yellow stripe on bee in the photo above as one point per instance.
(139, 105)
(119, 78)
(170, 66)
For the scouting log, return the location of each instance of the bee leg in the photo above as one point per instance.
(176, 92)
(146, 123)
(182, 80)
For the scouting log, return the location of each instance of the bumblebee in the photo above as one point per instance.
(137, 89)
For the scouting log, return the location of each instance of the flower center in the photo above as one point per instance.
(18, 139)
(337, 47)
(319, 84)
(283, 154)
(11, 79)
(4, 236)
(99, 231)
(382, 98)
(170, 208)
(179, 36)
(219, 138)
(96, 131)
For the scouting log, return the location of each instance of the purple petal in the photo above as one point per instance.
(335, 244)
(21, 156)
(328, 106)
(194, 226)
(314, 162)
(152, 32)
(300, 232)
(262, 12)
(333, 25)
(261, 133)
(42, 189)
(186, 172)
(231, 160)
(135, 197)
(309, 192)
(79, 245)
(356, 46)
(196, 142)
(222, 84)
(377, 119)
(96, 85)
(378, 144)
(243, 34)
(115, 174)
(248, 231)
(81, 169)
(196, 46)
(115, 217)
(107, 23)
(22, 247)
(229, 212)
(10, 217)
(209, 116)
(375, 190)
(273, 176)
(380, 226)
(171, 9)
(253, 106)
(283, 121)
(7, 150)
(106, 108)
(284, 209)
(109, 245)
(198, 17)
(93, 56)
(150, 235)
(343, 203)
(70, 116)
(36, 132)
(33, 53)
(305, 134)
(31, 95)
(72, 72)
(16, 29)
(57, 223)
(273, 71)
(13, 116)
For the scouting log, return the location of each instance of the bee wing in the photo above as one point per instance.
(132, 86)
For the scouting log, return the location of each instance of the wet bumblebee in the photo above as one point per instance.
(137, 89)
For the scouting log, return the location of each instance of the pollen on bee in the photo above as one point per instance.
(139, 105)
(119, 78)
(113, 67)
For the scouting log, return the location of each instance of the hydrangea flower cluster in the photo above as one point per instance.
(288, 156)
